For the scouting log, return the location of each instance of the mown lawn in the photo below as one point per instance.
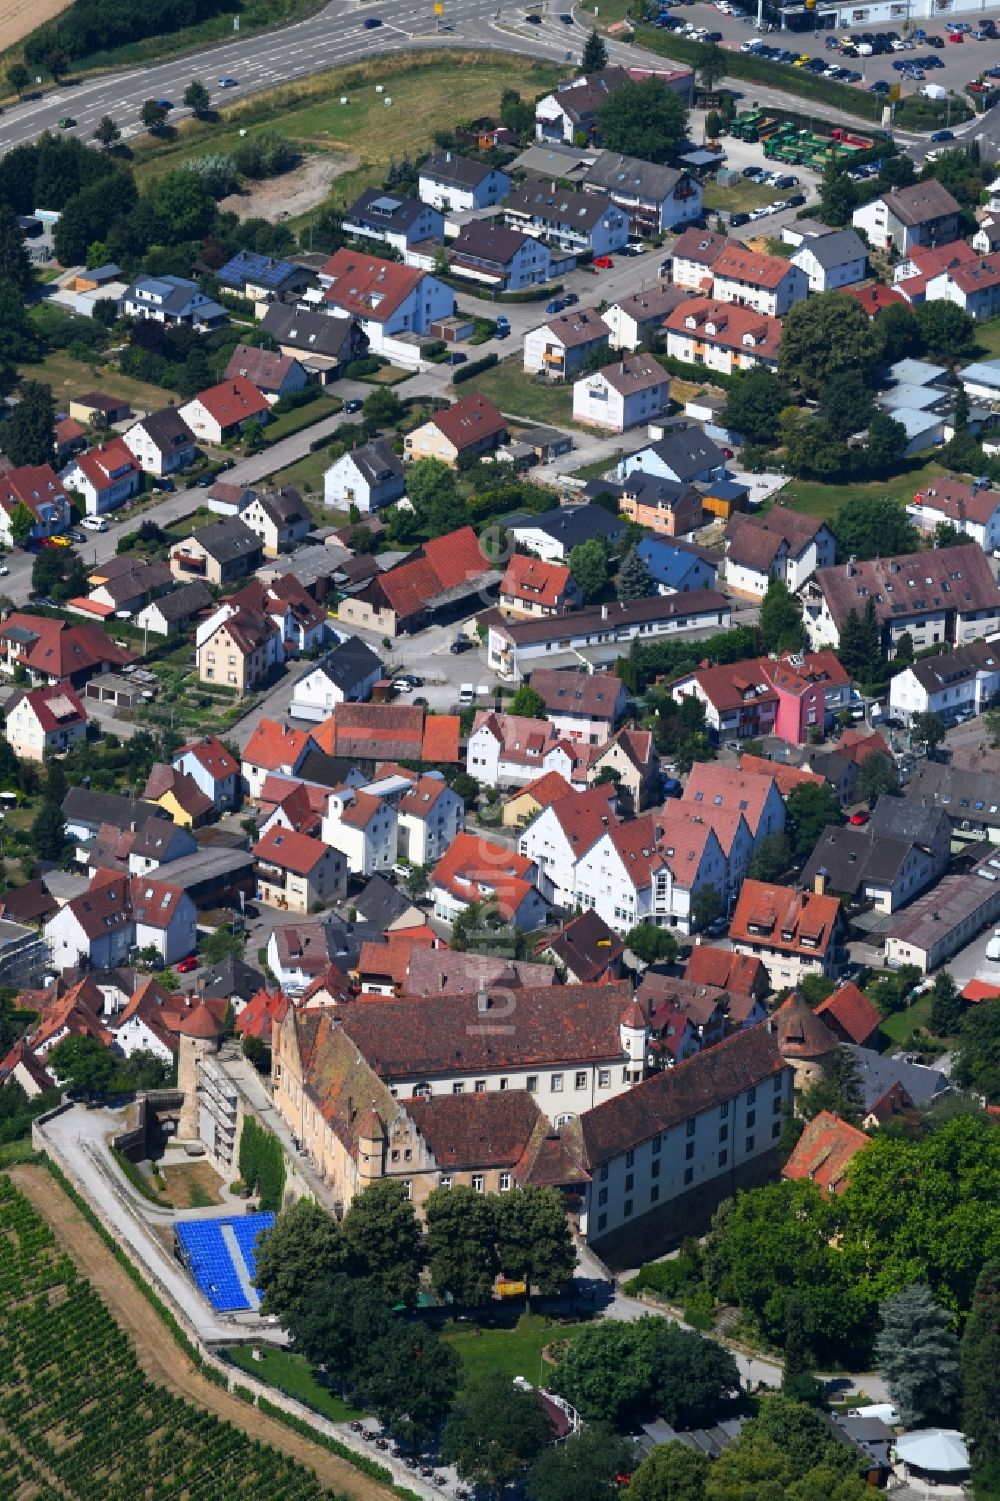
(899, 1026)
(427, 95)
(514, 1352)
(520, 395)
(740, 198)
(824, 501)
(292, 1374)
(294, 421)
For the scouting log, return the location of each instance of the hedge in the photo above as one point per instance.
(262, 1164)
(685, 370)
(841, 96)
(489, 294)
(468, 372)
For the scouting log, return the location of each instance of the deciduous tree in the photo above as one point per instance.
(407, 1378)
(106, 132)
(781, 619)
(383, 1237)
(652, 945)
(809, 808)
(461, 1244)
(876, 774)
(823, 336)
(868, 527)
(754, 402)
(980, 1364)
(533, 1240)
(673, 1472)
(588, 563)
(494, 1430)
(647, 120)
(196, 98)
(29, 432)
(153, 115)
(584, 1468)
(86, 1066)
(529, 702)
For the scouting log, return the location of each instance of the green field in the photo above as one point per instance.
(69, 377)
(824, 501)
(427, 93)
(899, 1026)
(520, 395)
(514, 1352)
(293, 1375)
(740, 198)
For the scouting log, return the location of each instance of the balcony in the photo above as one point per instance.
(189, 562)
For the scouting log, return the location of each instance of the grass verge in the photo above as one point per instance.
(293, 1375)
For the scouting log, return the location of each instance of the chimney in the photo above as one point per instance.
(604, 612)
(447, 156)
(482, 1002)
(819, 881)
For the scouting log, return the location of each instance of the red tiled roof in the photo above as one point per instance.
(56, 708)
(585, 816)
(21, 1054)
(201, 1023)
(979, 990)
(295, 852)
(851, 1014)
(730, 684)
(30, 484)
(787, 777)
(574, 691)
(764, 913)
(874, 299)
(713, 787)
(264, 367)
(824, 1152)
(63, 649)
(490, 1129)
(957, 500)
(439, 971)
(367, 286)
(389, 732)
(751, 266)
(469, 421)
(545, 789)
(474, 869)
(112, 899)
(105, 465)
(77, 1011)
(740, 974)
(440, 565)
(407, 1039)
(233, 401)
(535, 582)
(441, 734)
(260, 1012)
(212, 755)
(274, 746)
(857, 744)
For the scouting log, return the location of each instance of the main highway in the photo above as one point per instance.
(335, 36)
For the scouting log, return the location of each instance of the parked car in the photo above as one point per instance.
(187, 965)
(67, 122)
(457, 357)
(860, 819)
(943, 135)
(354, 405)
(570, 299)
(459, 645)
(555, 306)
(603, 262)
(735, 220)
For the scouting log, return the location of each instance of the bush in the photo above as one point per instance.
(368, 365)
(469, 372)
(262, 1164)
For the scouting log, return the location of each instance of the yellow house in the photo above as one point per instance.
(179, 795)
(522, 806)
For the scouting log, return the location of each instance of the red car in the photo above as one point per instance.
(603, 262)
(858, 819)
(187, 965)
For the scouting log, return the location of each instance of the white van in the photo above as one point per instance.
(94, 523)
(467, 694)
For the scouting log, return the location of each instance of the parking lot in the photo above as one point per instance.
(948, 64)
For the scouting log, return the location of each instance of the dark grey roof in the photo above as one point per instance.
(631, 175)
(232, 977)
(653, 489)
(572, 525)
(167, 429)
(82, 806)
(377, 461)
(185, 601)
(850, 856)
(961, 794)
(445, 166)
(688, 453)
(381, 904)
(836, 249)
(311, 333)
(901, 818)
(385, 210)
(878, 1074)
(958, 666)
(350, 663)
(285, 506)
(228, 539)
(487, 241)
(580, 210)
(324, 770)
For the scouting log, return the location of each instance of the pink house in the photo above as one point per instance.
(811, 688)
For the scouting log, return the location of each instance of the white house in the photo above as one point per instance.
(832, 260)
(694, 1128)
(565, 343)
(656, 198)
(368, 477)
(44, 721)
(632, 320)
(397, 221)
(634, 390)
(348, 673)
(576, 222)
(429, 817)
(650, 870)
(560, 836)
(767, 283)
(363, 828)
(279, 518)
(970, 508)
(475, 870)
(162, 442)
(455, 183)
(119, 913)
(956, 682)
(508, 750)
(211, 766)
(693, 258)
(783, 544)
(173, 612)
(973, 286)
(924, 213)
(387, 300)
(106, 476)
(173, 300)
(223, 411)
(504, 259)
(722, 336)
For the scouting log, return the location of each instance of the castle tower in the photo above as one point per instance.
(633, 1030)
(804, 1039)
(200, 1034)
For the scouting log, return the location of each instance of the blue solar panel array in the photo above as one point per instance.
(208, 1259)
